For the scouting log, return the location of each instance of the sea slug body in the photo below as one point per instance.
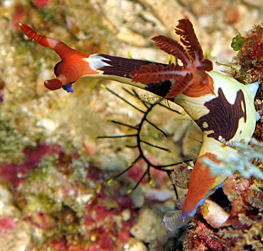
(221, 106)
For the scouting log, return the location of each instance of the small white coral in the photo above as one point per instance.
(214, 214)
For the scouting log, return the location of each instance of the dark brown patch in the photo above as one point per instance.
(223, 117)
(160, 89)
(180, 87)
(122, 67)
(157, 73)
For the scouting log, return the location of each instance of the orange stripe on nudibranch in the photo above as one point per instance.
(200, 186)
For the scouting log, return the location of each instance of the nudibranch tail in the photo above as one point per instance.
(202, 184)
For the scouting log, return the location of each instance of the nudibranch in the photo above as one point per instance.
(221, 106)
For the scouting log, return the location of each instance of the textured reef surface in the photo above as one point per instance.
(54, 173)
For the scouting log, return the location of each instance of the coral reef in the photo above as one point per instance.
(243, 229)
(54, 193)
(249, 57)
(246, 197)
(67, 202)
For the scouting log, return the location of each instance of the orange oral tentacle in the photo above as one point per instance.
(53, 84)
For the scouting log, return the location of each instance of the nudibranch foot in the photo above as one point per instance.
(68, 88)
(192, 211)
(202, 184)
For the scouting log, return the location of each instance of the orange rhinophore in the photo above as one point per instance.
(221, 106)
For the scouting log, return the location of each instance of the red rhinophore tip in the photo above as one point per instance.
(32, 34)
(53, 84)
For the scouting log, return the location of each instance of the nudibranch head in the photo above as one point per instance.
(74, 64)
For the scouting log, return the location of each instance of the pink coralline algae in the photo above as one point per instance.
(17, 173)
(71, 212)
(41, 3)
(139, 168)
(7, 223)
(2, 86)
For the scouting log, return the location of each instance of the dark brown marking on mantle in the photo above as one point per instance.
(223, 117)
